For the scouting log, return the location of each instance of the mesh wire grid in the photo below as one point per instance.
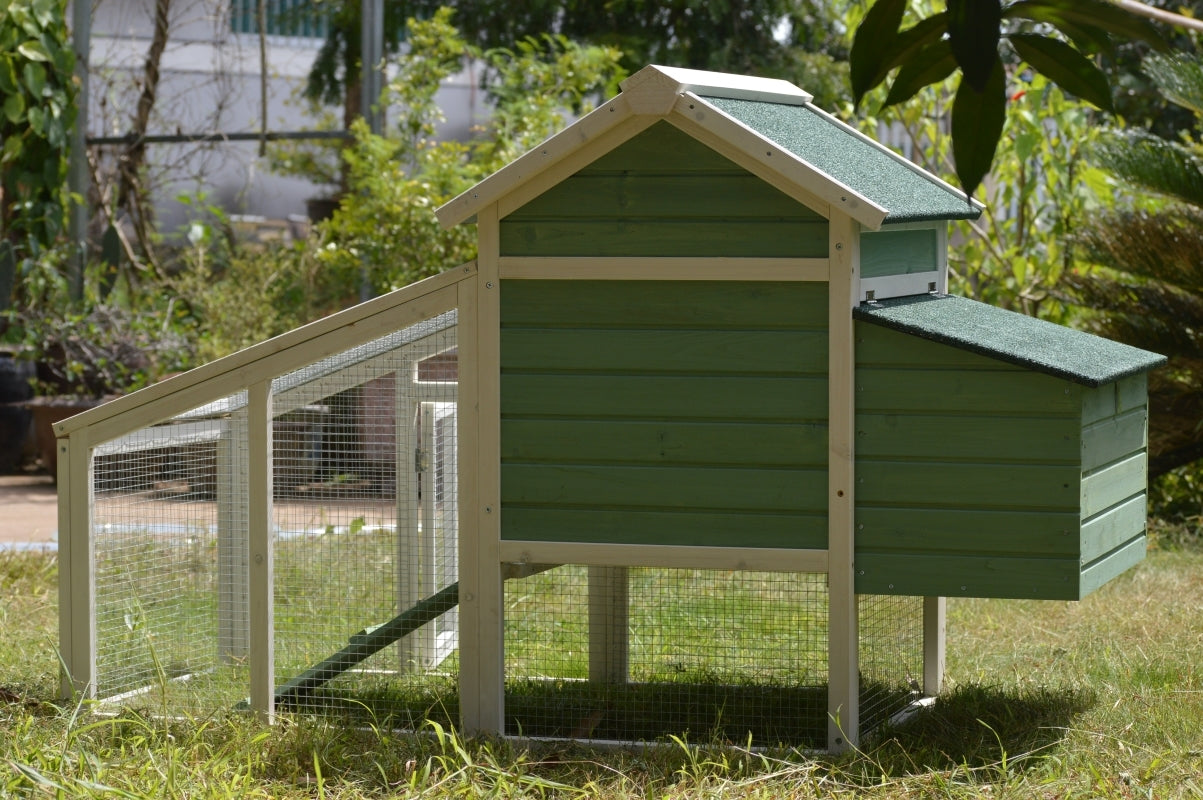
(891, 656)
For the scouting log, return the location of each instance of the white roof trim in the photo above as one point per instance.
(720, 84)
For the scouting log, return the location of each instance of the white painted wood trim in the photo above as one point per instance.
(609, 648)
(913, 167)
(678, 80)
(276, 356)
(843, 730)
(77, 574)
(259, 532)
(233, 577)
(530, 164)
(469, 503)
(753, 559)
(889, 286)
(409, 509)
(664, 269)
(767, 159)
(934, 633)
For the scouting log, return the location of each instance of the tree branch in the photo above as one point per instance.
(1168, 17)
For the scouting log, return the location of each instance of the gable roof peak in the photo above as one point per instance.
(655, 89)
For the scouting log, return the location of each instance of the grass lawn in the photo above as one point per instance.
(1102, 698)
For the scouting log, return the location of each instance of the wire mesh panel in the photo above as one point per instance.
(169, 521)
(891, 655)
(365, 513)
(637, 654)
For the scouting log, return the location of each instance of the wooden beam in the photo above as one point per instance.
(753, 559)
(664, 269)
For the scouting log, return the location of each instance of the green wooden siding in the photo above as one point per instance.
(664, 194)
(674, 413)
(890, 252)
(977, 478)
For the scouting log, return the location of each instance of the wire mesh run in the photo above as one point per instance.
(891, 655)
(364, 515)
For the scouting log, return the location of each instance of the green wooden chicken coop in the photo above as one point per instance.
(708, 330)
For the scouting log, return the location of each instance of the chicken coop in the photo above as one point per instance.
(696, 447)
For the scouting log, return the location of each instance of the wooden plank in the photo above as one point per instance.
(736, 194)
(967, 576)
(993, 438)
(1132, 392)
(898, 252)
(665, 351)
(609, 649)
(1116, 526)
(877, 345)
(959, 391)
(670, 397)
(692, 488)
(963, 485)
(1113, 484)
(934, 639)
(1098, 403)
(678, 528)
(662, 268)
(752, 559)
(1115, 563)
(260, 548)
(665, 304)
(1114, 438)
(662, 149)
(568, 441)
(76, 569)
(968, 531)
(843, 643)
(702, 238)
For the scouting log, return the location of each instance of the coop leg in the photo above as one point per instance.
(608, 646)
(233, 637)
(409, 547)
(933, 645)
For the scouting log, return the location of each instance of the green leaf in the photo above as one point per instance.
(43, 12)
(1085, 16)
(8, 75)
(973, 31)
(14, 108)
(1065, 67)
(1180, 79)
(932, 65)
(34, 50)
(977, 123)
(874, 38)
(37, 120)
(35, 78)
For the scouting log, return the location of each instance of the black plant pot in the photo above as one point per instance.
(14, 416)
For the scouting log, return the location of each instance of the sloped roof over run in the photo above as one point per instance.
(769, 127)
(1010, 337)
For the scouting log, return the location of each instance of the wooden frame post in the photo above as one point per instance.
(260, 549)
(934, 609)
(77, 574)
(608, 622)
(482, 660)
(843, 682)
(233, 631)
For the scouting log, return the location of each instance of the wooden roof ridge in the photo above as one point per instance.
(673, 94)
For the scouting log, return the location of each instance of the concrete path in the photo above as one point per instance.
(28, 510)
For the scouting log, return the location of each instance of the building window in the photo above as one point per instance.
(296, 18)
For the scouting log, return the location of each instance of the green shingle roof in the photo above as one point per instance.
(1014, 338)
(858, 164)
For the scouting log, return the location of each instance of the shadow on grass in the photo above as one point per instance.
(979, 726)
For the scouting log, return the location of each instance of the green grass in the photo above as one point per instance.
(1102, 698)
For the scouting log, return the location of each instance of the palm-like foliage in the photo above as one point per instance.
(1151, 294)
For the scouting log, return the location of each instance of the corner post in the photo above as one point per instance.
(261, 550)
(76, 578)
(933, 645)
(482, 659)
(843, 682)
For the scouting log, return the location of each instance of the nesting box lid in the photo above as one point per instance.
(1014, 338)
(767, 126)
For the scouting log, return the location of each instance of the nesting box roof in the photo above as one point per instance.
(1014, 338)
(768, 126)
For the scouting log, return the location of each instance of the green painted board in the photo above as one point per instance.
(663, 149)
(739, 195)
(669, 397)
(981, 485)
(1099, 403)
(1132, 392)
(971, 437)
(671, 351)
(967, 576)
(1114, 438)
(582, 441)
(962, 391)
(752, 305)
(709, 528)
(893, 252)
(966, 531)
(666, 238)
(1114, 564)
(1113, 484)
(1108, 530)
(649, 487)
